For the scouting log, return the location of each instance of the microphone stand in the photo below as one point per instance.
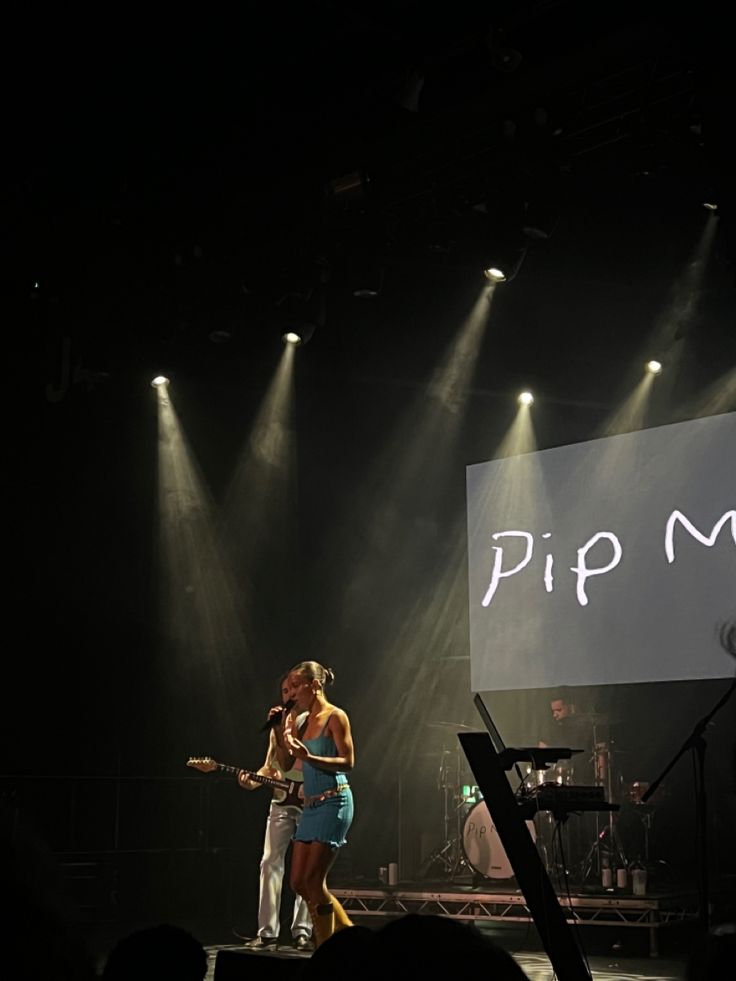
(696, 742)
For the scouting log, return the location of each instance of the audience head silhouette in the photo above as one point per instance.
(414, 945)
(158, 952)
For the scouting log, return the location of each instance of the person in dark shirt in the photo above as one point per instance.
(571, 728)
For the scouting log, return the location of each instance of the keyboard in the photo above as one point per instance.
(563, 799)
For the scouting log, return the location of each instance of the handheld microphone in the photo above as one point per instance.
(276, 718)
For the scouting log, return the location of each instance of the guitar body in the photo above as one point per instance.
(285, 792)
(289, 796)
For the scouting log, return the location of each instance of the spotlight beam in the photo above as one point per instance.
(200, 617)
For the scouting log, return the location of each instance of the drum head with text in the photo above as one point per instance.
(482, 845)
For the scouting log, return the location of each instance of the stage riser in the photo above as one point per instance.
(651, 913)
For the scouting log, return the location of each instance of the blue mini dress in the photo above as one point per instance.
(325, 820)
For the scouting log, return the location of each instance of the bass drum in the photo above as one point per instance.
(482, 845)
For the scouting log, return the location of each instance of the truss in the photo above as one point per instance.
(651, 913)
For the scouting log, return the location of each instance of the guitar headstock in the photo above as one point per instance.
(205, 764)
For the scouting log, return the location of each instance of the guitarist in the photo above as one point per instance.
(283, 817)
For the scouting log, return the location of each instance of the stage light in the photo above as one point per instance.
(367, 281)
(303, 310)
(298, 334)
(505, 262)
(525, 398)
(159, 380)
(654, 367)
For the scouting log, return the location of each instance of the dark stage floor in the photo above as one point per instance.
(535, 964)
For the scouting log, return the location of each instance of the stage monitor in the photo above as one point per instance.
(606, 562)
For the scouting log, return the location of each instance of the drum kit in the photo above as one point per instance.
(471, 849)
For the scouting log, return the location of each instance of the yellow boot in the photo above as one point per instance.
(342, 919)
(323, 921)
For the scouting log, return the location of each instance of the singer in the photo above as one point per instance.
(282, 821)
(325, 749)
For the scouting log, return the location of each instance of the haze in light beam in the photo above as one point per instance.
(451, 380)
(408, 569)
(260, 497)
(667, 341)
(631, 415)
(198, 609)
(718, 397)
(259, 521)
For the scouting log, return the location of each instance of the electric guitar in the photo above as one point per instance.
(285, 791)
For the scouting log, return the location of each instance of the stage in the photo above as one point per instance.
(504, 914)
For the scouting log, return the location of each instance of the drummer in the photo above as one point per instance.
(570, 727)
(562, 709)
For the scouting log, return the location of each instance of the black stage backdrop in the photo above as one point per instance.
(151, 217)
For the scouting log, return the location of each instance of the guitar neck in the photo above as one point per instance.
(287, 792)
(229, 769)
(256, 777)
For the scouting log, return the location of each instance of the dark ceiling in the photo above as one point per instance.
(173, 177)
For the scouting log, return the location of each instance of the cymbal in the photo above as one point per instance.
(449, 725)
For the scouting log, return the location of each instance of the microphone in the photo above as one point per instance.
(278, 716)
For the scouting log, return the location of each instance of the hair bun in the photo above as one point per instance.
(329, 676)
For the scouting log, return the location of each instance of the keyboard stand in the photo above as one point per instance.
(555, 933)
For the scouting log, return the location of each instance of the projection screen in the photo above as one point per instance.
(606, 562)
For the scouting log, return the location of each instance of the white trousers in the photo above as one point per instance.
(280, 827)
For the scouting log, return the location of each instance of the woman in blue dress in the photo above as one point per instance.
(326, 751)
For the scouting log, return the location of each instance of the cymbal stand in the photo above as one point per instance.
(449, 853)
(606, 851)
